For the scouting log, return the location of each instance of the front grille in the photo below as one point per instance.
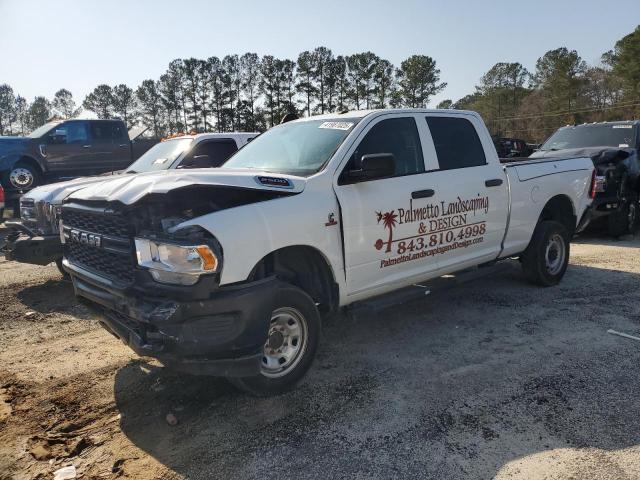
(114, 258)
(114, 225)
(112, 265)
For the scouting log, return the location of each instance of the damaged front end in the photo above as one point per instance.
(157, 284)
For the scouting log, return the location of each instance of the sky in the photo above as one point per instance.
(46, 45)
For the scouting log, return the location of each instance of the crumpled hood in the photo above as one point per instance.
(598, 155)
(55, 193)
(128, 189)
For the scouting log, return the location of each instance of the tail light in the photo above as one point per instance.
(1, 194)
(594, 184)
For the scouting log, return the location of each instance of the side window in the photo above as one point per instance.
(398, 136)
(102, 132)
(70, 133)
(457, 143)
(217, 152)
(118, 132)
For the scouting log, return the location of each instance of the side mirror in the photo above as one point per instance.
(374, 166)
(198, 161)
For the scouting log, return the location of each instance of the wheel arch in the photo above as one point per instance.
(303, 266)
(30, 161)
(560, 208)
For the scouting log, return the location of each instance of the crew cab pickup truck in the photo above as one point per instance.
(614, 149)
(69, 148)
(228, 271)
(35, 237)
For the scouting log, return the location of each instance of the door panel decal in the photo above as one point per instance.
(440, 228)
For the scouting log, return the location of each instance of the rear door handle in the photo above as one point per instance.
(86, 146)
(123, 145)
(422, 194)
(494, 182)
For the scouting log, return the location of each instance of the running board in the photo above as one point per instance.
(419, 291)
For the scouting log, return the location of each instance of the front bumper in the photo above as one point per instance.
(223, 335)
(26, 246)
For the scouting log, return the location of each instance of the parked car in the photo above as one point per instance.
(228, 271)
(613, 147)
(512, 147)
(1, 204)
(35, 237)
(70, 149)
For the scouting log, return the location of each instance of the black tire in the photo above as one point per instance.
(22, 176)
(294, 301)
(546, 258)
(624, 221)
(65, 274)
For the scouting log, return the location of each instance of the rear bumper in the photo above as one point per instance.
(24, 245)
(223, 335)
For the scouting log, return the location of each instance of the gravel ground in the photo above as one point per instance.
(493, 379)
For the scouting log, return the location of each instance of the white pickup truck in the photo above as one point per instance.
(228, 272)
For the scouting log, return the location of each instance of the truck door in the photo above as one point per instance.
(68, 147)
(470, 189)
(106, 154)
(383, 220)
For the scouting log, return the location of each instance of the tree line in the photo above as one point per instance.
(562, 90)
(240, 92)
(248, 92)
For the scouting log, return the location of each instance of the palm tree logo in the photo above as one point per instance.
(388, 219)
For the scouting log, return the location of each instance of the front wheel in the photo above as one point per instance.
(546, 258)
(65, 274)
(22, 176)
(292, 341)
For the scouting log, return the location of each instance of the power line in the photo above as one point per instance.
(633, 103)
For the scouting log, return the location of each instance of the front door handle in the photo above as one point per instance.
(422, 194)
(86, 146)
(123, 145)
(494, 182)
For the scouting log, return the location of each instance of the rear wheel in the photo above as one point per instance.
(294, 332)
(624, 221)
(546, 258)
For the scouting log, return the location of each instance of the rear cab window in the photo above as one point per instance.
(106, 132)
(456, 143)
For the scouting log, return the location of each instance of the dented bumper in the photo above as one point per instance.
(26, 246)
(222, 335)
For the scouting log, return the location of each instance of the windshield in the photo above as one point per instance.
(40, 131)
(296, 148)
(618, 136)
(160, 156)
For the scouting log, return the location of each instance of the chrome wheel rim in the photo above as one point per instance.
(286, 342)
(554, 255)
(21, 178)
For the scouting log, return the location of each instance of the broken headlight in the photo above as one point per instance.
(175, 264)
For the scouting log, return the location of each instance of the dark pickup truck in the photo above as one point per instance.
(614, 149)
(68, 149)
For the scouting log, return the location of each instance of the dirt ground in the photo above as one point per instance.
(493, 379)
